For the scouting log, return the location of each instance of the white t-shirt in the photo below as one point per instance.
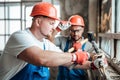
(19, 41)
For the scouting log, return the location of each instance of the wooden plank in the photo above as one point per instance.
(109, 35)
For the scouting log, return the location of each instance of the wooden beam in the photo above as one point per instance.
(109, 35)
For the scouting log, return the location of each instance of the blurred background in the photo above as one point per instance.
(101, 17)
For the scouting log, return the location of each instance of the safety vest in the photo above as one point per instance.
(73, 74)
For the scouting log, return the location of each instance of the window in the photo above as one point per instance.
(15, 15)
(109, 31)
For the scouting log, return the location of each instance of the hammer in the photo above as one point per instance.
(91, 38)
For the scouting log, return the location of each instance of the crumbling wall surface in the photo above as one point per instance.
(70, 7)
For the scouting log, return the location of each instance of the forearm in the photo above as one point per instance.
(37, 56)
(57, 59)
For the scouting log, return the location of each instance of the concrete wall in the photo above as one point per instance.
(92, 15)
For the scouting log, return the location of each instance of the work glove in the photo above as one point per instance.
(77, 46)
(99, 55)
(63, 25)
(99, 63)
(81, 56)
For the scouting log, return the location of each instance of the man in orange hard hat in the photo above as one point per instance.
(65, 43)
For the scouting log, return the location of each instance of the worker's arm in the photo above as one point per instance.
(37, 56)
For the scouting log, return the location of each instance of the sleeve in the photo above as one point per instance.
(19, 42)
(57, 41)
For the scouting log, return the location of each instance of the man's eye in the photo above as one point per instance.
(76, 30)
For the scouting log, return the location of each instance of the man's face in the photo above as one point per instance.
(47, 26)
(76, 32)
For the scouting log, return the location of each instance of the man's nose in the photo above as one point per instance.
(75, 32)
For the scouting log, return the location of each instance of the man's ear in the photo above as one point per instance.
(38, 21)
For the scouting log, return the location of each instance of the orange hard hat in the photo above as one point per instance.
(77, 20)
(45, 9)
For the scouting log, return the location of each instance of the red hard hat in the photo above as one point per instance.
(77, 20)
(45, 9)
